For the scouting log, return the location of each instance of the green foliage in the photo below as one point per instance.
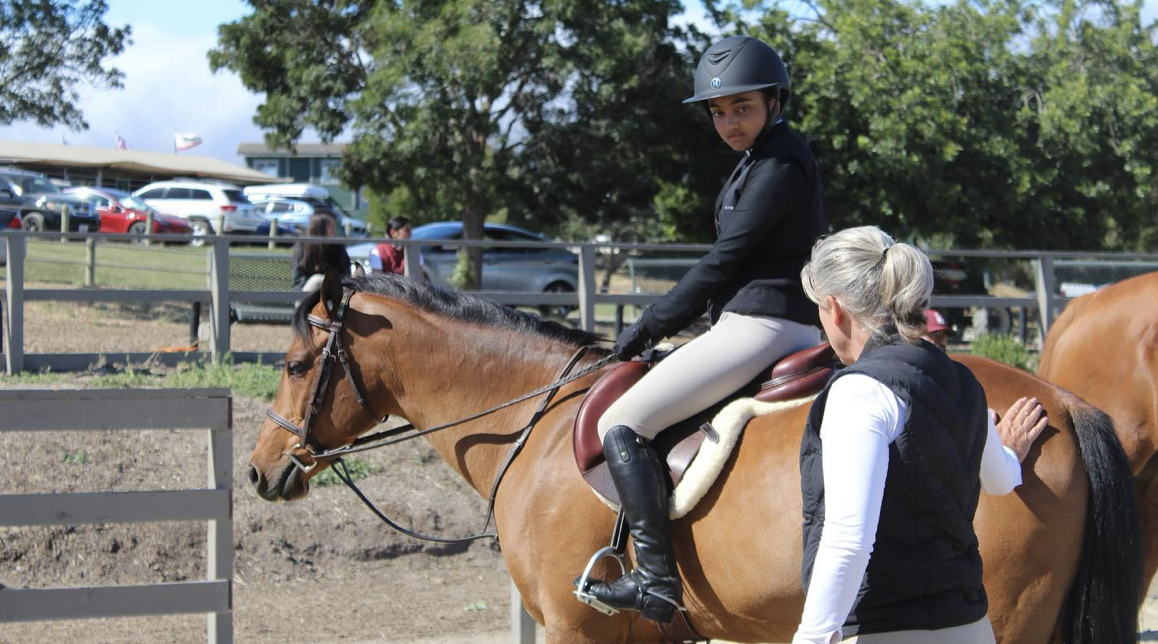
(1003, 348)
(988, 123)
(51, 48)
(359, 469)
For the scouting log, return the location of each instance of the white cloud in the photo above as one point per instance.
(167, 86)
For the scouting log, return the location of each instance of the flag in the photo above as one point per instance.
(121, 143)
(185, 140)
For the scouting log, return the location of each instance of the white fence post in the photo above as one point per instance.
(587, 287)
(14, 285)
(522, 626)
(219, 539)
(219, 292)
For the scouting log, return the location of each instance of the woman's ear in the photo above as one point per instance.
(835, 309)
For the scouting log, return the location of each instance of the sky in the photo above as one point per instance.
(169, 88)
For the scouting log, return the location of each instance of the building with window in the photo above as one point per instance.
(314, 163)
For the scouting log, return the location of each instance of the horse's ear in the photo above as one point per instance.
(359, 271)
(332, 291)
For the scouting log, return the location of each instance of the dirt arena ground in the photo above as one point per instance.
(323, 569)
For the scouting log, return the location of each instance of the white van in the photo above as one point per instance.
(300, 191)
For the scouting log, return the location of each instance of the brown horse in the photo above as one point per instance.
(1104, 348)
(1053, 572)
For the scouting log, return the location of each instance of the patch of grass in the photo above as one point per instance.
(76, 458)
(250, 380)
(358, 468)
(1004, 348)
(34, 379)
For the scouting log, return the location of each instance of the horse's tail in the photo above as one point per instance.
(1106, 595)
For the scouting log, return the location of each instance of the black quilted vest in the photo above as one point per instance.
(925, 569)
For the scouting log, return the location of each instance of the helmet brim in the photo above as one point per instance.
(727, 91)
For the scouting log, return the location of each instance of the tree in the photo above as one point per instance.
(547, 110)
(986, 122)
(47, 49)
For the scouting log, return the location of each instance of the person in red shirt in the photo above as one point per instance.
(387, 257)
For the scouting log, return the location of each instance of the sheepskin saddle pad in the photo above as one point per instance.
(697, 449)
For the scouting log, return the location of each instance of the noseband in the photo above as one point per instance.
(332, 350)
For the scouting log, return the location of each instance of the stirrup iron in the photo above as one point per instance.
(615, 550)
(584, 595)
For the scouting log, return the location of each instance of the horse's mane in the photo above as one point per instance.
(451, 304)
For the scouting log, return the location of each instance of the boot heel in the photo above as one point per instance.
(657, 609)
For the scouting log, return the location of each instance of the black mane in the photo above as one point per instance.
(451, 304)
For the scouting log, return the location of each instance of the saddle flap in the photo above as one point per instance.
(588, 450)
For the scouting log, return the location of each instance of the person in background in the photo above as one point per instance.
(894, 456)
(310, 259)
(937, 330)
(391, 258)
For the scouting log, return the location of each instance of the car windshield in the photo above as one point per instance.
(136, 204)
(38, 184)
(236, 196)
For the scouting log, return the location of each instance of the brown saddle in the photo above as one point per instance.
(795, 376)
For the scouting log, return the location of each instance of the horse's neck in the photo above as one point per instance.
(477, 370)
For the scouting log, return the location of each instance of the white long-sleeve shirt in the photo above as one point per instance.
(861, 418)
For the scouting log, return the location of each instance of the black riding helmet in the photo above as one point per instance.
(740, 64)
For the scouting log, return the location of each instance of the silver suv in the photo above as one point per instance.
(202, 203)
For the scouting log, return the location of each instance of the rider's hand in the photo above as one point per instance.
(631, 342)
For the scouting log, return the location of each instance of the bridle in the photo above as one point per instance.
(332, 350)
(318, 452)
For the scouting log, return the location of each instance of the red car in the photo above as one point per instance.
(121, 212)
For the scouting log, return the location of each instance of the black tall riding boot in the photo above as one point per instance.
(653, 588)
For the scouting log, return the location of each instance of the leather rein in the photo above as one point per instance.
(334, 350)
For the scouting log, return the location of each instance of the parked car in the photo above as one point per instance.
(316, 196)
(296, 214)
(121, 212)
(201, 203)
(41, 203)
(534, 270)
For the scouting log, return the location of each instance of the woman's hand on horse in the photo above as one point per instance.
(631, 342)
(1021, 425)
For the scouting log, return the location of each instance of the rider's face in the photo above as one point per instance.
(740, 117)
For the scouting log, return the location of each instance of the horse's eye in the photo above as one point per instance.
(295, 368)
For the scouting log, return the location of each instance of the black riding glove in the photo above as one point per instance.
(632, 341)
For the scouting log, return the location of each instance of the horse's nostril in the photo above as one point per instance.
(254, 476)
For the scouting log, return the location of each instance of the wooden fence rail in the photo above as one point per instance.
(1047, 297)
(130, 409)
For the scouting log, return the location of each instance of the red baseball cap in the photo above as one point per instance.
(934, 321)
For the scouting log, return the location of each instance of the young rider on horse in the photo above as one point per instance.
(767, 216)
(895, 453)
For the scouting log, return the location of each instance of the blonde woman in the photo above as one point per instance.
(897, 449)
